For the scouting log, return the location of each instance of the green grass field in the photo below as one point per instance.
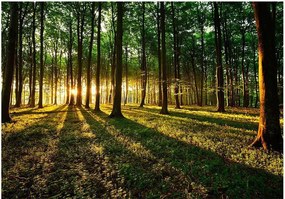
(194, 152)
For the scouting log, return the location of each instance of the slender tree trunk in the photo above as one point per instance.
(175, 62)
(127, 79)
(71, 102)
(9, 69)
(159, 57)
(20, 71)
(80, 29)
(116, 111)
(255, 76)
(164, 109)
(143, 63)
(97, 105)
(55, 71)
(220, 78)
(88, 89)
(41, 56)
(245, 83)
(34, 58)
(30, 71)
(269, 132)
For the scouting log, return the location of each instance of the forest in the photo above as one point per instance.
(142, 99)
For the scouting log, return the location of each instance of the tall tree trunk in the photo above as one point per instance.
(71, 102)
(9, 69)
(80, 29)
(255, 74)
(88, 82)
(41, 56)
(220, 78)
(127, 79)
(20, 71)
(175, 62)
(111, 96)
(30, 71)
(245, 83)
(159, 57)
(34, 58)
(143, 63)
(164, 109)
(97, 103)
(269, 132)
(116, 111)
(55, 71)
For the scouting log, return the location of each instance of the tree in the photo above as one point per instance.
(71, 102)
(116, 111)
(9, 68)
(159, 56)
(143, 62)
(269, 132)
(80, 29)
(220, 78)
(164, 109)
(88, 82)
(41, 56)
(34, 71)
(175, 52)
(97, 103)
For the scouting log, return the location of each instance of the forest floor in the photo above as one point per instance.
(194, 152)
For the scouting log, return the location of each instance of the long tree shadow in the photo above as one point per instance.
(214, 120)
(23, 153)
(80, 170)
(217, 175)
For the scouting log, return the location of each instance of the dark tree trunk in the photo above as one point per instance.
(34, 59)
(88, 82)
(159, 57)
(164, 109)
(52, 80)
(244, 73)
(97, 103)
(116, 111)
(80, 29)
(111, 96)
(20, 85)
(143, 63)
(127, 79)
(220, 78)
(269, 132)
(41, 56)
(175, 60)
(55, 71)
(195, 78)
(71, 102)
(30, 71)
(9, 69)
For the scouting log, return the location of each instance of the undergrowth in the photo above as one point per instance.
(194, 152)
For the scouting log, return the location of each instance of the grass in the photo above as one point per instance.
(194, 152)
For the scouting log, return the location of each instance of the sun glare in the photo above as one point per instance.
(73, 91)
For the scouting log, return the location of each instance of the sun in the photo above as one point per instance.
(74, 91)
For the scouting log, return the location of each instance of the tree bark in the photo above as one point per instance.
(143, 63)
(269, 132)
(116, 111)
(71, 102)
(80, 29)
(220, 78)
(164, 109)
(159, 57)
(34, 58)
(9, 69)
(88, 82)
(41, 56)
(97, 103)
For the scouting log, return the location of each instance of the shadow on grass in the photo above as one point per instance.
(22, 153)
(219, 176)
(214, 120)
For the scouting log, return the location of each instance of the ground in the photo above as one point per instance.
(61, 152)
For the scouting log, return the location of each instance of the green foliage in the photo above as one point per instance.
(194, 152)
